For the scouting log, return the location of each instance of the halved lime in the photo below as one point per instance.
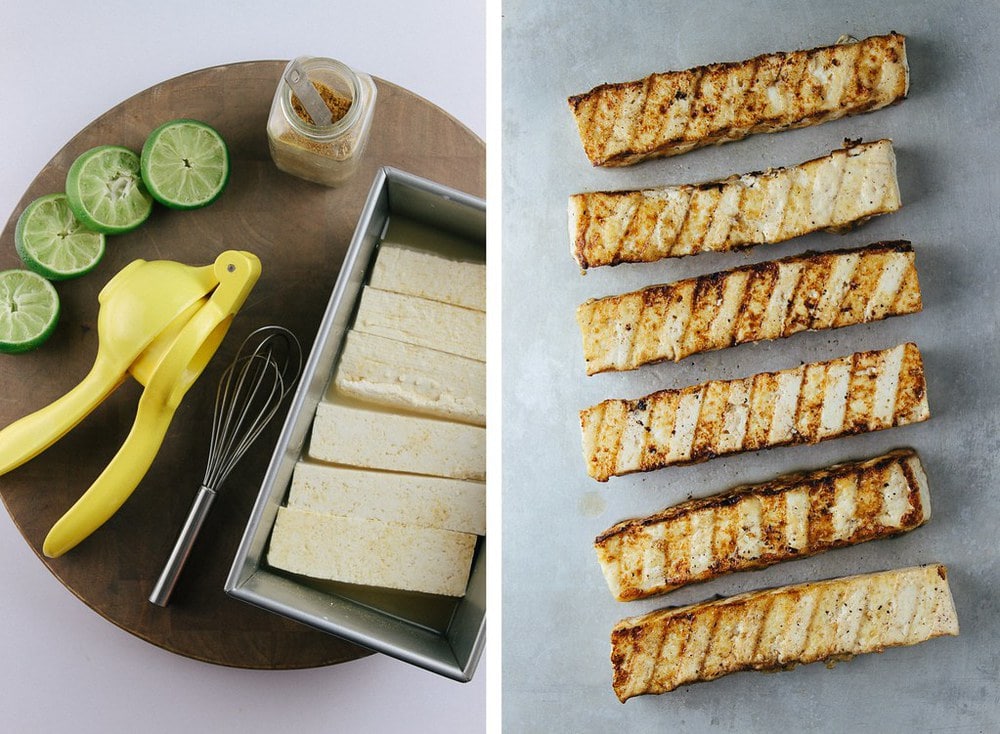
(29, 310)
(185, 164)
(105, 190)
(53, 243)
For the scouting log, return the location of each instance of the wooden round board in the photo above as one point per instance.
(300, 231)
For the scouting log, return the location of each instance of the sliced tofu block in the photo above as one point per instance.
(423, 322)
(402, 269)
(401, 375)
(364, 551)
(433, 502)
(363, 436)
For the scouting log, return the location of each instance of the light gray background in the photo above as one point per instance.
(558, 612)
(63, 64)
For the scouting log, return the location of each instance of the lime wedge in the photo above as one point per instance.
(29, 310)
(53, 243)
(105, 190)
(185, 164)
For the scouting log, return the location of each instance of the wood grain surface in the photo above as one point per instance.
(300, 231)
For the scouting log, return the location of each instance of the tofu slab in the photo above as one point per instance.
(865, 391)
(835, 192)
(432, 502)
(778, 628)
(371, 552)
(357, 435)
(416, 272)
(677, 111)
(754, 526)
(410, 377)
(768, 300)
(422, 322)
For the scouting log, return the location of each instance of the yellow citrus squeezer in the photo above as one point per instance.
(161, 321)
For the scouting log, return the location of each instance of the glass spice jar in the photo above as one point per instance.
(326, 154)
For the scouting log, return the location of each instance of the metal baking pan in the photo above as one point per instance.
(443, 635)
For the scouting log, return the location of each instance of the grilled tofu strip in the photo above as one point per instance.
(779, 628)
(755, 526)
(865, 391)
(677, 111)
(751, 303)
(836, 192)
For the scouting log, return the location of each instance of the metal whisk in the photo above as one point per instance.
(251, 389)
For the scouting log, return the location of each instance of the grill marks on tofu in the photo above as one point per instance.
(795, 515)
(751, 303)
(865, 391)
(779, 628)
(835, 192)
(674, 112)
(754, 526)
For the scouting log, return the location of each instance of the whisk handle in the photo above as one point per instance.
(182, 548)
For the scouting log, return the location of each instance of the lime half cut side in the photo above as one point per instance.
(52, 242)
(29, 310)
(105, 190)
(185, 164)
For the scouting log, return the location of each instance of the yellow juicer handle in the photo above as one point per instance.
(118, 480)
(178, 369)
(26, 438)
(139, 303)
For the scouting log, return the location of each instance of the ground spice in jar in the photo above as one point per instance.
(326, 154)
(337, 103)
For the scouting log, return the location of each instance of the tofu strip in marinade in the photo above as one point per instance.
(755, 302)
(677, 111)
(758, 525)
(861, 392)
(835, 192)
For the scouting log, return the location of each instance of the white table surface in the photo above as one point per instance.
(63, 667)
